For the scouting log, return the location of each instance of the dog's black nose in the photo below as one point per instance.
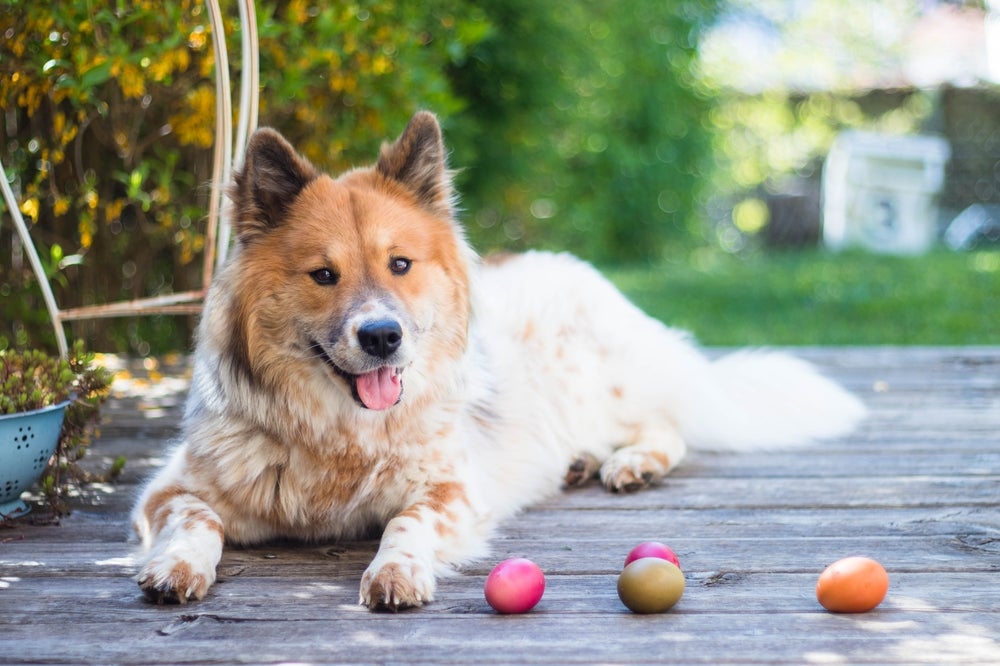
(380, 338)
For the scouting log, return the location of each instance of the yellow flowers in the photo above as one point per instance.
(198, 38)
(130, 80)
(113, 210)
(297, 12)
(175, 61)
(61, 206)
(195, 123)
(29, 208)
(381, 65)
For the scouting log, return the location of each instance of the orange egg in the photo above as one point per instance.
(852, 585)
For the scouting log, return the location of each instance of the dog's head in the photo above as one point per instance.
(363, 278)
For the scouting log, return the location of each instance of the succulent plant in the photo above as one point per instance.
(31, 380)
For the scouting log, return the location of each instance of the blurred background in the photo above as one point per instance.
(759, 171)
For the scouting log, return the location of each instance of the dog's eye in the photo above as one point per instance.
(324, 276)
(399, 265)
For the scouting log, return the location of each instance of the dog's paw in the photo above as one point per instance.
(396, 581)
(629, 469)
(581, 470)
(170, 579)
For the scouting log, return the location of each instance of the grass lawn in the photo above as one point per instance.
(819, 298)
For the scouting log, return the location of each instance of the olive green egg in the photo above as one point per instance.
(650, 585)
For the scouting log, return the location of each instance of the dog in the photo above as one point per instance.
(358, 367)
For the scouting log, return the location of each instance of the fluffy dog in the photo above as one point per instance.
(359, 368)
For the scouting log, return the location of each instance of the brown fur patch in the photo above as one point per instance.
(158, 507)
(443, 529)
(183, 579)
(202, 518)
(347, 471)
(661, 457)
(439, 501)
(440, 496)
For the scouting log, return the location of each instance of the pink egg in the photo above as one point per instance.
(514, 586)
(652, 549)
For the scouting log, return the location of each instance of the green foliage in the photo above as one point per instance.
(584, 129)
(31, 380)
(818, 298)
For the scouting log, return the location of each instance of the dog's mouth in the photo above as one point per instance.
(377, 389)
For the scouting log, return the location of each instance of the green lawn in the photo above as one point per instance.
(819, 298)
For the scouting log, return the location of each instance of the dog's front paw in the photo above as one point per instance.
(630, 469)
(170, 579)
(396, 580)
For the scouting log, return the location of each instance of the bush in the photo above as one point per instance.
(584, 127)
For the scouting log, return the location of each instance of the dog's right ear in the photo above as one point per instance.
(272, 176)
(417, 160)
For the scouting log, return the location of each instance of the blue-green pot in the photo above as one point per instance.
(27, 442)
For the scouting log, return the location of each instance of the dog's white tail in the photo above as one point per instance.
(759, 399)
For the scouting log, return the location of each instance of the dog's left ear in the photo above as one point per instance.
(417, 161)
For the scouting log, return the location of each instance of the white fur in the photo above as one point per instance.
(553, 392)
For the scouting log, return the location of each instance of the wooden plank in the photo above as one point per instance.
(790, 492)
(302, 597)
(695, 493)
(880, 638)
(926, 453)
(603, 553)
(590, 523)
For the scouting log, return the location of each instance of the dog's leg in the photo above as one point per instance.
(437, 529)
(656, 450)
(183, 538)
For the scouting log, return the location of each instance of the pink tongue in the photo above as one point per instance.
(379, 389)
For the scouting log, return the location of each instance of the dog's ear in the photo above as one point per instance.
(417, 160)
(272, 176)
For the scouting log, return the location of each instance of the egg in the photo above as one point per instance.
(852, 585)
(650, 585)
(514, 586)
(652, 549)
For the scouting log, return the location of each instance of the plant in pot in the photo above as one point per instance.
(48, 406)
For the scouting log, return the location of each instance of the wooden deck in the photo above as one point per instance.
(918, 488)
